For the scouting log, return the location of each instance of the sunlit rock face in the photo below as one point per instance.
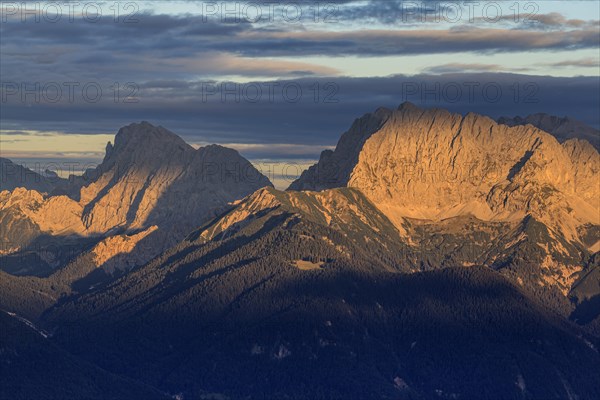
(113, 253)
(335, 167)
(432, 164)
(532, 199)
(29, 220)
(150, 177)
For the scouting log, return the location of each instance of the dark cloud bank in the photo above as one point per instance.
(275, 112)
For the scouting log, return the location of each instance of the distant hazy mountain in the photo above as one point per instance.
(150, 181)
(14, 175)
(563, 129)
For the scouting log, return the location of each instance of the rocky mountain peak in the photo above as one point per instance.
(145, 141)
(145, 131)
(218, 150)
(432, 164)
(149, 177)
(335, 166)
(408, 109)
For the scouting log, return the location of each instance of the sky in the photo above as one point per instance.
(279, 82)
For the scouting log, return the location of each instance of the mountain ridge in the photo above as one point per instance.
(563, 128)
(382, 275)
(453, 156)
(14, 175)
(149, 177)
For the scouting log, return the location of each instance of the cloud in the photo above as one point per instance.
(534, 21)
(53, 155)
(230, 113)
(220, 64)
(409, 42)
(188, 46)
(583, 62)
(468, 67)
(182, 69)
(400, 12)
(556, 20)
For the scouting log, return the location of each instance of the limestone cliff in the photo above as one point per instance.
(432, 164)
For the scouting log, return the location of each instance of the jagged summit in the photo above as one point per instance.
(146, 131)
(149, 143)
(145, 139)
(408, 106)
(334, 167)
(153, 177)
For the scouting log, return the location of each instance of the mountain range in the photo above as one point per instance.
(13, 175)
(151, 185)
(431, 255)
